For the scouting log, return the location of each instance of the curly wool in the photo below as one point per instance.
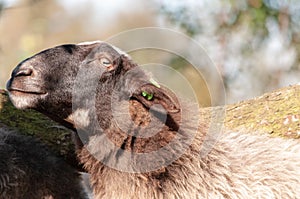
(238, 166)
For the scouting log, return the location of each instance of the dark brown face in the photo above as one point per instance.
(45, 81)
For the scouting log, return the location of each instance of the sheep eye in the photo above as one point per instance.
(146, 95)
(105, 62)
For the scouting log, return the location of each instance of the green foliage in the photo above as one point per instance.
(254, 12)
(254, 43)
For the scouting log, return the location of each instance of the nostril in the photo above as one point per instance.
(24, 72)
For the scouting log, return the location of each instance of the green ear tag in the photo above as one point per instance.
(148, 96)
(144, 93)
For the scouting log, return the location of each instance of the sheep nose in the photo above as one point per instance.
(24, 72)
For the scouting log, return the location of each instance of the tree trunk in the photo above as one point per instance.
(276, 113)
(33, 123)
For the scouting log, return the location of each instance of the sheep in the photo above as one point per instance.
(29, 170)
(140, 140)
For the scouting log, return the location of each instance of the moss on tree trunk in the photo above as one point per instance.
(30, 122)
(276, 113)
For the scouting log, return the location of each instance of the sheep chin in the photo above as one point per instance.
(23, 100)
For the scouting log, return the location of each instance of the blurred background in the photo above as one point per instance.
(255, 44)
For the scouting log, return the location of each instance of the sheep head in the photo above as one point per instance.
(49, 80)
(44, 81)
(95, 88)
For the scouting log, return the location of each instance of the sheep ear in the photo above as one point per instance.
(152, 94)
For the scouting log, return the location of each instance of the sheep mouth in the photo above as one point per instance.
(15, 91)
